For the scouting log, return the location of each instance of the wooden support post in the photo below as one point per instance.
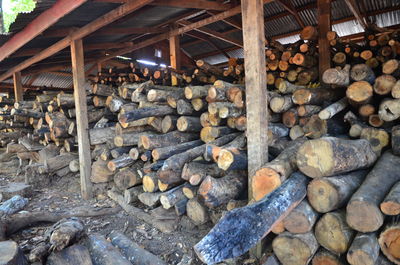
(78, 71)
(256, 92)
(18, 90)
(175, 56)
(324, 25)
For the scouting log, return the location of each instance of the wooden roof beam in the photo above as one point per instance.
(197, 4)
(353, 6)
(62, 32)
(38, 25)
(102, 21)
(287, 4)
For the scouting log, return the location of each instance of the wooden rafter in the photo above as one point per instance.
(198, 4)
(62, 32)
(287, 4)
(353, 6)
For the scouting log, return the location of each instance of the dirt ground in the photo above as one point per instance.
(64, 193)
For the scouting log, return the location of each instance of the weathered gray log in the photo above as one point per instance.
(166, 152)
(334, 76)
(137, 114)
(76, 254)
(363, 213)
(169, 198)
(65, 232)
(131, 194)
(151, 142)
(333, 109)
(11, 254)
(391, 203)
(241, 228)
(103, 252)
(127, 178)
(195, 172)
(123, 161)
(100, 172)
(101, 135)
(150, 199)
(13, 205)
(364, 250)
(132, 251)
(396, 140)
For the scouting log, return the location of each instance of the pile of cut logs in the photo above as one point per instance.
(184, 148)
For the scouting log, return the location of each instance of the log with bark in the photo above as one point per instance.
(391, 203)
(301, 219)
(389, 241)
(364, 250)
(76, 254)
(103, 252)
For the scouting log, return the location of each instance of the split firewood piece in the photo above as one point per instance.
(339, 77)
(127, 178)
(391, 203)
(359, 92)
(169, 198)
(312, 96)
(11, 254)
(363, 213)
(333, 109)
(150, 199)
(396, 140)
(330, 193)
(378, 138)
(333, 233)
(151, 142)
(76, 254)
(166, 152)
(217, 245)
(362, 72)
(13, 205)
(195, 172)
(216, 192)
(197, 212)
(364, 250)
(330, 156)
(272, 174)
(325, 257)
(103, 252)
(132, 251)
(123, 161)
(100, 172)
(295, 249)
(389, 109)
(65, 232)
(389, 241)
(301, 219)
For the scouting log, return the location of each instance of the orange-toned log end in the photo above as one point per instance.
(298, 59)
(205, 188)
(145, 141)
(264, 182)
(278, 228)
(389, 240)
(111, 166)
(390, 208)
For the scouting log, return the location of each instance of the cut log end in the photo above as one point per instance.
(264, 182)
(363, 216)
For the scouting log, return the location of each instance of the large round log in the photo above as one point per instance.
(363, 213)
(359, 92)
(127, 178)
(301, 219)
(324, 257)
(389, 241)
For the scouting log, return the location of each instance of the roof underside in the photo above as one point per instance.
(279, 24)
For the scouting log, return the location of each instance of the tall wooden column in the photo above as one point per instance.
(18, 90)
(256, 92)
(78, 71)
(324, 25)
(174, 55)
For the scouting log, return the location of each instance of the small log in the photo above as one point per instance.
(65, 232)
(150, 199)
(180, 207)
(363, 213)
(102, 90)
(209, 134)
(197, 212)
(389, 242)
(301, 219)
(396, 140)
(330, 156)
(378, 138)
(195, 172)
(339, 77)
(11, 254)
(168, 123)
(192, 92)
(304, 60)
(127, 178)
(389, 109)
(101, 135)
(290, 118)
(150, 182)
(308, 110)
(286, 87)
(216, 192)
(396, 90)
(151, 142)
(103, 252)
(217, 245)
(188, 124)
(359, 92)
(383, 84)
(137, 114)
(100, 172)
(232, 159)
(324, 257)
(309, 33)
(296, 132)
(330, 193)
(272, 174)
(190, 191)
(281, 104)
(13, 205)
(119, 151)
(129, 139)
(333, 233)
(364, 250)
(391, 203)
(76, 254)
(312, 96)
(362, 72)
(169, 198)
(391, 67)
(366, 110)
(333, 109)
(132, 251)
(295, 249)
(131, 195)
(120, 162)
(183, 107)
(166, 152)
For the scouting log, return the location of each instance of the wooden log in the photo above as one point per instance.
(312, 96)
(13, 205)
(137, 114)
(168, 123)
(151, 142)
(169, 198)
(389, 109)
(209, 134)
(324, 257)
(190, 191)
(391, 203)
(131, 195)
(301, 219)
(363, 213)
(192, 92)
(339, 77)
(304, 60)
(11, 254)
(396, 140)
(150, 199)
(65, 232)
(383, 84)
(333, 109)
(74, 165)
(217, 245)
(309, 33)
(378, 138)
(126, 178)
(76, 254)
(359, 92)
(362, 72)
(396, 90)
(330, 156)
(180, 207)
(100, 172)
(120, 162)
(103, 252)
(150, 182)
(13, 148)
(55, 163)
(195, 172)
(119, 151)
(102, 90)
(232, 159)
(184, 107)
(286, 87)
(330, 193)
(101, 135)
(364, 250)
(129, 139)
(333, 233)
(166, 152)
(295, 249)
(272, 174)
(391, 67)
(281, 104)
(308, 110)
(389, 242)
(197, 212)
(132, 251)
(216, 192)
(188, 124)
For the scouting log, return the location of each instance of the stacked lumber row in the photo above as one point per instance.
(346, 210)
